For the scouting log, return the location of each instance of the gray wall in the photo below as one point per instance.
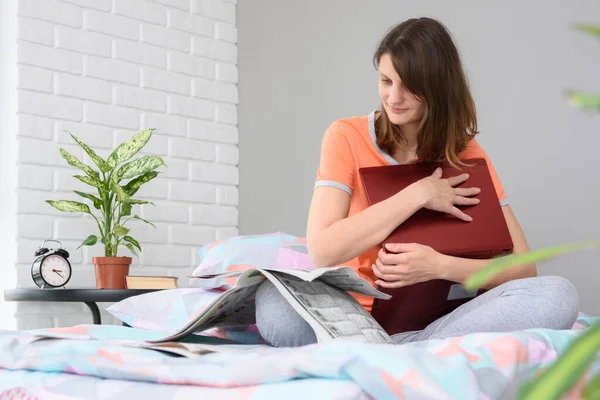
(304, 64)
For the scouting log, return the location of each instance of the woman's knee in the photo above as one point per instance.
(277, 321)
(562, 299)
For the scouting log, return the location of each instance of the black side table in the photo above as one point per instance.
(87, 296)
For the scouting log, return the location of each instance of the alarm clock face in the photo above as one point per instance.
(55, 270)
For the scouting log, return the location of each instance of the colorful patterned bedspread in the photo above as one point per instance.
(85, 364)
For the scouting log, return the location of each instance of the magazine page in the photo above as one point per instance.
(331, 312)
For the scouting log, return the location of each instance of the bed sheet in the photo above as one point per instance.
(86, 364)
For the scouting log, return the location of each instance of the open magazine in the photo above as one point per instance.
(318, 295)
(173, 348)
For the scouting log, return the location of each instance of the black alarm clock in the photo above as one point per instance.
(51, 269)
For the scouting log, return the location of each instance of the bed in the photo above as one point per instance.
(86, 361)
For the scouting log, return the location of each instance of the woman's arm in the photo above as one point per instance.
(334, 238)
(458, 269)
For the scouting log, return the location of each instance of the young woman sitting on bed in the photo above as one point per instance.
(427, 113)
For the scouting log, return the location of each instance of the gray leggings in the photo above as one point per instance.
(550, 302)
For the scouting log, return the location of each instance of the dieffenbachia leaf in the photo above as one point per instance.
(131, 248)
(89, 180)
(128, 149)
(589, 102)
(133, 185)
(561, 376)
(142, 219)
(139, 166)
(74, 162)
(126, 209)
(593, 30)
(121, 195)
(497, 265)
(103, 165)
(97, 202)
(134, 242)
(69, 206)
(136, 201)
(120, 230)
(90, 241)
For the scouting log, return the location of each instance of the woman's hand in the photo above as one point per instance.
(412, 264)
(441, 195)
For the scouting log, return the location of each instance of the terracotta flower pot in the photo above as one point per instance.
(111, 271)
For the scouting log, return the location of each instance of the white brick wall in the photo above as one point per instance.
(105, 70)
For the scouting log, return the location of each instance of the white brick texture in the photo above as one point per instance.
(37, 79)
(140, 53)
(52, 11)
(36, 31)
(165, 37)
(83, 88)
(225, 31)
(165, 81)
(83, 42)
(142, 10)
(104, 70)
(102, 5)
(111, 25)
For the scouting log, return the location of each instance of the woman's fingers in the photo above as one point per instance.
(387, 277)
(467, 191)
(387, 272)
(391, 285)
(459, 214)
(437, 173)
(457, 180)
(466, 201)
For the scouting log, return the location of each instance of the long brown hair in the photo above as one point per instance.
(427, 61)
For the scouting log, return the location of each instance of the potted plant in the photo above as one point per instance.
(573, 366)
(115, 181)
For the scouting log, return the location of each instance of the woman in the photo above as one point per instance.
(427, 114)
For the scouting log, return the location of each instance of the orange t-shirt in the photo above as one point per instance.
(350, 144)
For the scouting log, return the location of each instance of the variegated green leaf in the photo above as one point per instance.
(136, 201)
(90, 241)
(133, 242)
(89, 180)
(589, 102)
(97, 202)
(120, 230)
(131, 248)
(483, 276)
(139, 166)
(128, 149)
(69, 206)
(126, 209)
(121, 195)
(142, 219)
(593, 30)
(74, 162)
(103, 165)
(561, 376)
(591, 391)
(133, 185)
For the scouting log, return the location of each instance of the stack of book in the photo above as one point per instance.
(150, 282)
